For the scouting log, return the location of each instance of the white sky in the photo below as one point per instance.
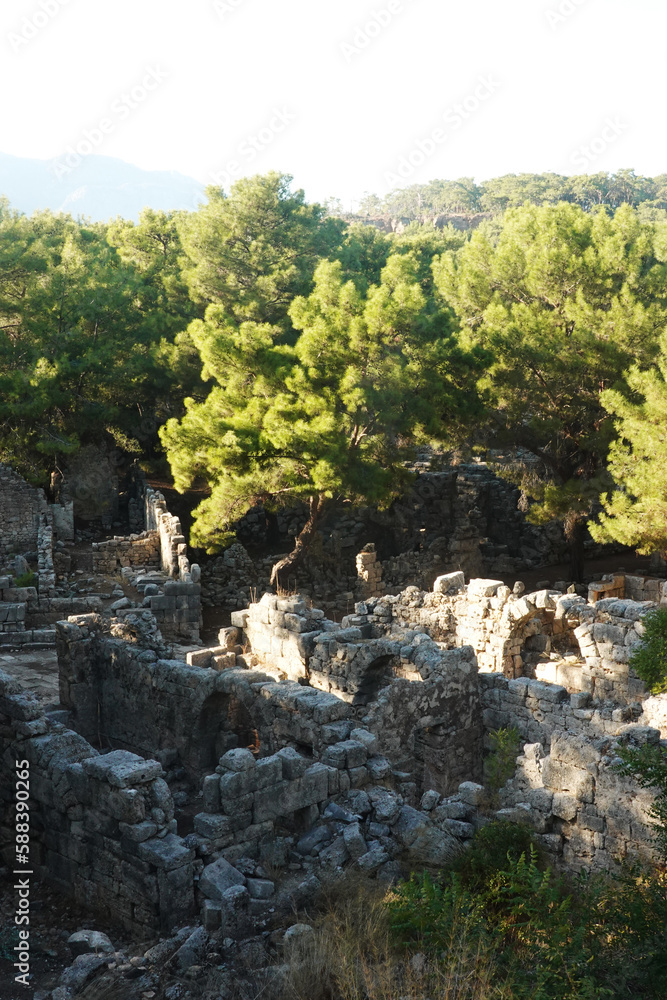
(354, 113)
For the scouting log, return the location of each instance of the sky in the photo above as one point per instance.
(347, 97)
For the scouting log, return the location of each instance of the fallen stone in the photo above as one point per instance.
(354, 841)
(218, 877)
(193, 951)
(297, 934)
(82, 970)
(449, 583)
(85, 942)
(260, 888)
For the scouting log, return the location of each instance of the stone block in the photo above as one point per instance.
(122, 768)
(268, 772)
(369, 740)
(450, 583)
(238, 760)
(378, 768)
(260, 888)
(211, 793)
(138, 832)
(564, 806)
(373, 859)
(166, 853)
(386, 804)
(354, 840)
(356, 753)
(335, 855)
(239, 619)
(542, 691)
(293, 764)
(212, 826)
(471, 793)
(218, 878)
(483, 588)
(566, 778)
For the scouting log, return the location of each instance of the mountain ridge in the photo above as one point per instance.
(95, 187)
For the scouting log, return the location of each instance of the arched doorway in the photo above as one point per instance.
(224, 724)
(376, 676)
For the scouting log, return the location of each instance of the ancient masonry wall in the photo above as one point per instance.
(433, 729)
(23, 509)
(102, 827)
(400, 710)
(28, 618)
(175, 602)
(551, 636)
(28, 524)
(586, 814)
(603, 705)
(140, 551)
(464, 518)
(245, 796)
(139, 702)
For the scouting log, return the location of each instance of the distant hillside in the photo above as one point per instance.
(99, 187)
(462, 221)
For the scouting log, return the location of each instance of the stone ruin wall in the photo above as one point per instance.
(23, 509)
(464, 518)
(585, 814)
(101, 825)
(156, 552)
(30, 526)
(388, 707)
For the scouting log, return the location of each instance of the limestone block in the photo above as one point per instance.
(211, 793)
(386, 804)
(568, 778)
(354, 840)
(259, 888)
(138, 832)
(564, 806)
(483, 588)
(450, 583)
(571, 749)
(238, 760)
(471, 793)
(369, 740)
(167, 853)
(122, 768)
(542, 691)
(335, 855)
(292, 762)
(217, 878)
(235, 805)
(212, 826)
(378, 768)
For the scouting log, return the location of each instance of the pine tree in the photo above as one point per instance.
(636, 512)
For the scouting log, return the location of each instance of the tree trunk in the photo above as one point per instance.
(282, 569)
(576, 540)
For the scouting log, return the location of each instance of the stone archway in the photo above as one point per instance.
(377, 675)
(224, 724)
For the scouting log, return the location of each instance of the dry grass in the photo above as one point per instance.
(352, 956)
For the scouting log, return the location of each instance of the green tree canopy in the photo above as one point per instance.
(76, 346)
(565, 301)
(333, 416)
(635, 513)
(252, 251)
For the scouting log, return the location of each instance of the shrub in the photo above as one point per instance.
(544, 937)
(490, 850)
(500, 764)
(649, 660)
(647, 764)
